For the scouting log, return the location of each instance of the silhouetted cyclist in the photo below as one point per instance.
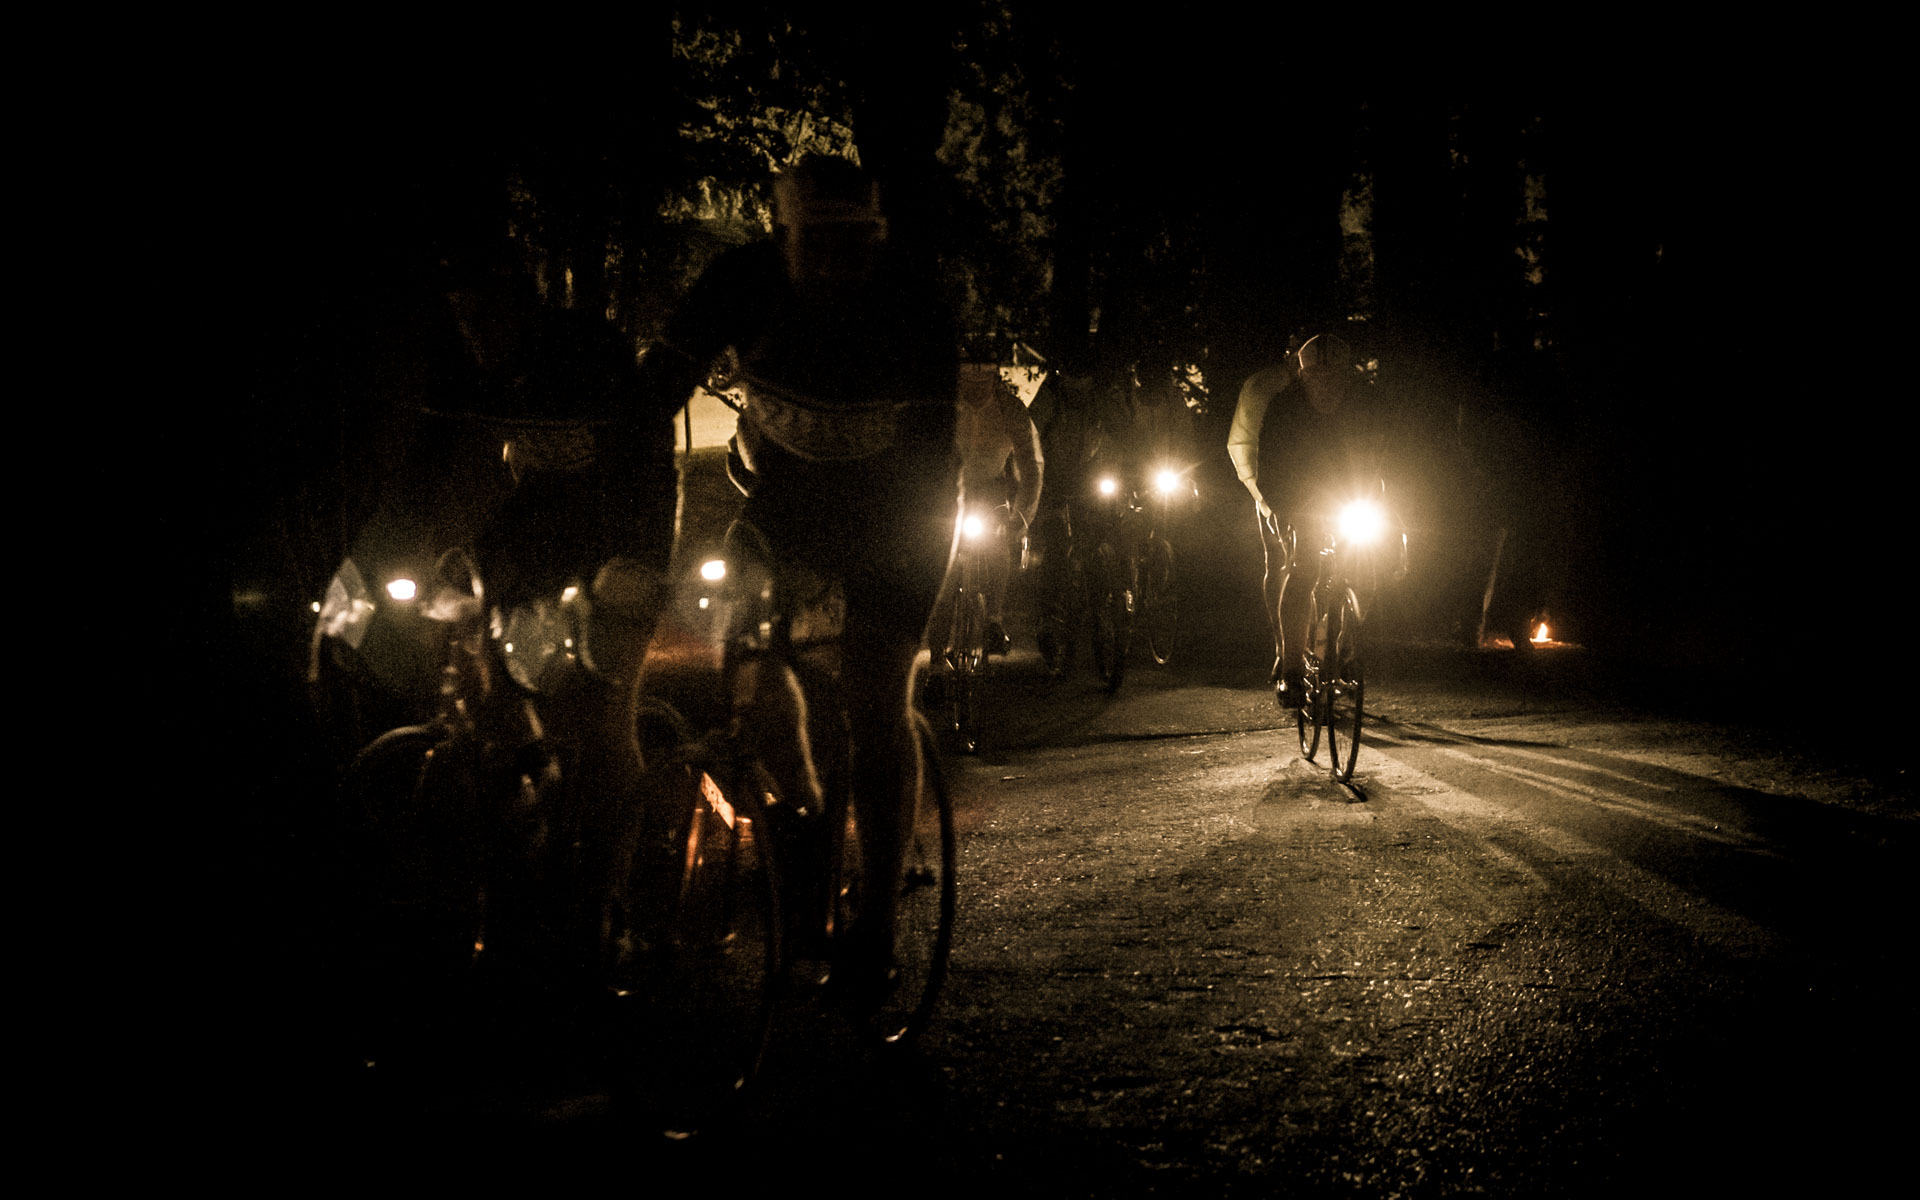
(845, 450)
(1306, 434)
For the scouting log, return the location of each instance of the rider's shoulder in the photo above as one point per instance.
(1268, 381)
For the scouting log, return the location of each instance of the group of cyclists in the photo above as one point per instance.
(861, 439)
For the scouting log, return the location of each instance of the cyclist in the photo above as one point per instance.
(1000, 464)
(476, 358)
(1086, 433)
(833, 328)
(1164, 434)
(1303, 430)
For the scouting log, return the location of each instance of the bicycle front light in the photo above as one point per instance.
(1109, 485)
(1362, 522)
(973, 527)
(1167, 482)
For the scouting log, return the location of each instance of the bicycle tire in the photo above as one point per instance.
(421, 901)
(1159, 600)
(1307, 717)
(1059, 603)
(969, 662)
(924, 907)
(1107, 603)
(1345, 689)
(695, 945)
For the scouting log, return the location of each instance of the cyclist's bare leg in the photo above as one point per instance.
(999, 569)
(886, 780)
(940, 624)
(772, 712)
(1296, 596)
(625, 600)
(1272, 584)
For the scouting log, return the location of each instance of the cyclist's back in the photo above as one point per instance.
(844, 448)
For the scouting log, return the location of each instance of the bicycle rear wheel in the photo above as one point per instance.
(1345, 687)
(694, 944)
(924, 901)
(1107, 603)
(1159, 601)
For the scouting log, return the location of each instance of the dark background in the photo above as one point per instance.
(1681, 419)
(1682, 423)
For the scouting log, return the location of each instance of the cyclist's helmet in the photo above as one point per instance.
(828, 220)
(826, 191)
(1323, 352)
(1326, 370)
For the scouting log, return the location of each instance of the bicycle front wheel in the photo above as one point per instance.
(413, 796)
(1346, 690)
(1159, 602)
(969, 661)
(924, 898)
(694, 940)
(1107, 599)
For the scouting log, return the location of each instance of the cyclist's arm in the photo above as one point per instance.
(1028, 461)
(1243, 438)
(727, 306)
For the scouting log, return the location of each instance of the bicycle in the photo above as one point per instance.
(1106, 574)
(1087, 585)
(793, 619)
(966, 651)
(649, 919)
(1058, 589)
(1333, 664)
(1157, 595)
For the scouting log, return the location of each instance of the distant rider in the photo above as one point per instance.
(1305, 434)
(1000, 465)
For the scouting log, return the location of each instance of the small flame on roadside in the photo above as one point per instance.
(1540, 634)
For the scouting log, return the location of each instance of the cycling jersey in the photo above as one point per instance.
(848, 430)
(992, 429)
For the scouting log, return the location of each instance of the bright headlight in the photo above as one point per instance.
(1109, 486)
(1362, 522)
(1166, 481)
(713, 570)
(403, 589)
(972, 526)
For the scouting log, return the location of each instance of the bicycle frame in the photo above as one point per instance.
(1333, 676)
(792, 622)
(982, 532)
